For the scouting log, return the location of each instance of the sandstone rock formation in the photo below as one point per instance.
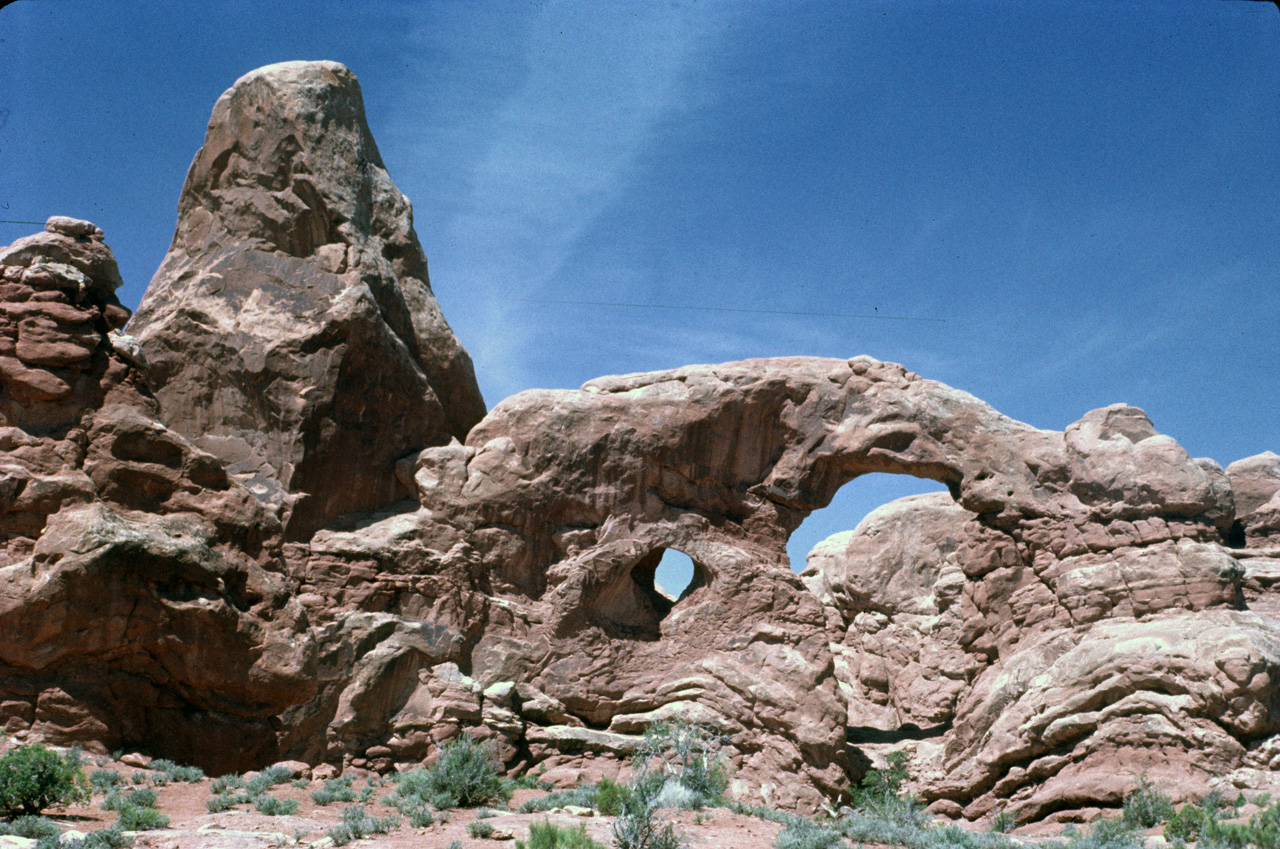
(291, 330)
(1256, 482)
(234, 575)
(140, 588)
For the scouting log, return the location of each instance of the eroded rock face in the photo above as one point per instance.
(1256, 481)
(1035, 688)
(140, 589)
(291, 330)
(560, 504)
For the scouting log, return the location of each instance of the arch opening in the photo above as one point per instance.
(634, 604)
(674, 575)
(850, 505)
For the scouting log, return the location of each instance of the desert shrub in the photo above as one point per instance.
(1213, 801)
(268, 778)
(413, 809)
(464, 776)
(357, 824)
(608, 797)
(31, 827)
(1261, 832)
(104, 781)
(806, 834)
(529, 781)
(225, 802)
(692, 754)
(173, 772)
(584, 795)
(1147, 806)
(480, 829)
(863, 828)
(275, 807)
(678, 765)
(545, 835)
(1186, 824)
(223, 783)
(334, 790)
(636, 826)
(33, 778)
(457, 844)
(1106, 834)
(675, 794)
(141, 819)
(105, 838)
(876, 783)
(118, 800)
(1002, 823)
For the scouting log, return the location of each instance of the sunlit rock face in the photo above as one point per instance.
(280, 524)
(291, 330)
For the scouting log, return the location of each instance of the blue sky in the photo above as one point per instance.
(1080, 197)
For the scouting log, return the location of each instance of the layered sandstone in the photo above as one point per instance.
(140, 589)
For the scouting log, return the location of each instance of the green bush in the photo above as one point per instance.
(275, 807)
(225, 802)
(268, 778)
(608, 797)
(1003, 823)
(692, 754)
(31, 827)
(545, 835)
(104, 781)
(1147, 806)
(678, 765)
(106, 838)
(529, 781)
(141, 819)
(1106, 834)
(806, 834)
(224, 783)
(33, 778)
(877, 784)
(636, 826)
(173, 772)
(759, 812)
(117, 800)
(1187, 824)
(357, 824)
(334, 790)
(413, 809)
(480, 829)
(464, 776)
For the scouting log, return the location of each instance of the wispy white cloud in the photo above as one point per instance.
(590, 90)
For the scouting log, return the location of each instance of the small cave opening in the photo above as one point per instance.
(851, 504)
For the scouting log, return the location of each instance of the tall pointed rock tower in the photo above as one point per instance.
(291, 329)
